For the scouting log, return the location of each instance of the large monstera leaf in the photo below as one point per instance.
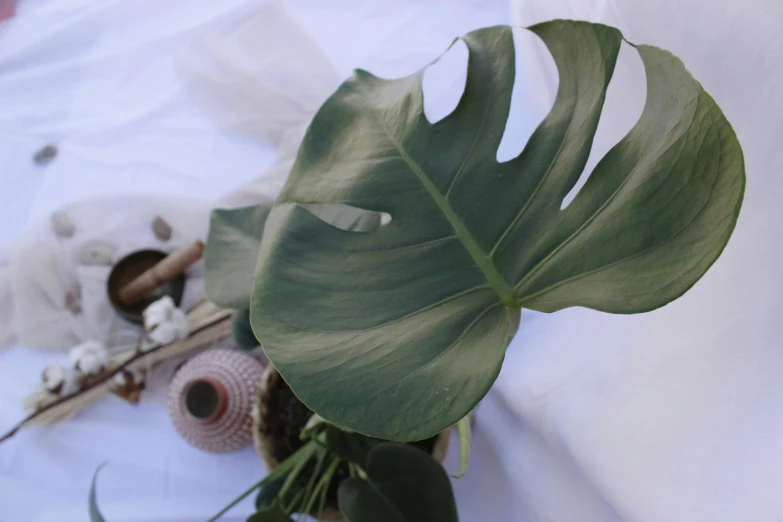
(398, 332)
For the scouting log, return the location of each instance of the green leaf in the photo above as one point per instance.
(286, 467)
(465, 440)
(231, 253)
(270, 514)
(95, 513)
(242, 332)
(234, 238)
(266, 497)
(403, 484)
(350, 447)
(314, 425)
(397, 333)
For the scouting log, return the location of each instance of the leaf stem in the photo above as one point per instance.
(302, 457)
(318, 465)
(323, 487)
(240, 498)
(302, 454)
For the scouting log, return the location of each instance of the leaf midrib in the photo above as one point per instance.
(483, 262)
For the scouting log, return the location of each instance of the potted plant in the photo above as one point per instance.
(388, 278)
(334, 474)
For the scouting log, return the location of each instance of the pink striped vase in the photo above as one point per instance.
(211, 400)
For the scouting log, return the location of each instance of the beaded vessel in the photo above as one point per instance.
(211, 400)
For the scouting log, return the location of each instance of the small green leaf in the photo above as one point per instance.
(465, 439)
(95, 514)
(270, 514)
(231, 254)
(242, 332)
(314, 423)
(234, 239)
(403, 484)
(266, 497)
(352, 447)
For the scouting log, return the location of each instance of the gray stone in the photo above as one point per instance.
(45, 155)
(161, 229)
(61, 224)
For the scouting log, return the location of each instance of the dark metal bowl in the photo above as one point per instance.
(128, 269)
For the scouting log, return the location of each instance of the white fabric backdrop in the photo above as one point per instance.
(109, 83)
(673, 415)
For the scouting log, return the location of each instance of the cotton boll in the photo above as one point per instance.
(128, 379)
(164, 323)
(169, 332)
(158, 312)
(129, 384)
(60, 381)
(89, 358)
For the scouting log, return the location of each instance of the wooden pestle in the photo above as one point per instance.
(168, 268)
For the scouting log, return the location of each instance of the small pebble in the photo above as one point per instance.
(45, 155)
(61, 224)
(161, 229)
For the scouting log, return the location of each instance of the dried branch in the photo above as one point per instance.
(202, 334)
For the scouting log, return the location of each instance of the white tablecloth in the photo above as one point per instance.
(102, 81)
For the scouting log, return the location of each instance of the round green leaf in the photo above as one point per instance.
(234, 238)
(398, 332)
(242, 332)
(231, 254)
(403, 484)
(350, 447)
(268, 494)
(273, 513)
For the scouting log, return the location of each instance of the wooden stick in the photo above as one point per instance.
(168, 268)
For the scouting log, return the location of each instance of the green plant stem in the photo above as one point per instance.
(304, 456)
(289, 509)
(323, 487)
(304, 453)
(240, 498)
(319, 464)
